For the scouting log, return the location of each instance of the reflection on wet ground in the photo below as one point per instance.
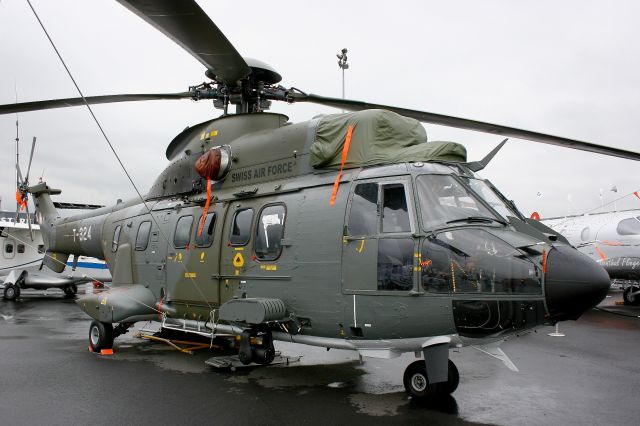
(590, 376)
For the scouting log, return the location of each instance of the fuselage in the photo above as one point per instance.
(408, 250)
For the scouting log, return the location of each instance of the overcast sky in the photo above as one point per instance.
(569, 68)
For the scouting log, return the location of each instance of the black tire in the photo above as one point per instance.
(11, 291)
(629, 299)
(100, 336)
(416, 381)
(70, 290)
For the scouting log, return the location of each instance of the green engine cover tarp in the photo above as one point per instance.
(379, 137)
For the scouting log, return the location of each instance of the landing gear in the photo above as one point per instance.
(629, 298)
(256, 346)
(100, 336)
(416, 381)
(70, 290)
(11, 291)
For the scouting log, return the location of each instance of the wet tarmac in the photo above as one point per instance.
(47, 376)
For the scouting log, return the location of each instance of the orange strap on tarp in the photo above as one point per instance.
(544, 261)
(345, 153)
(206, 208)
(636, 193)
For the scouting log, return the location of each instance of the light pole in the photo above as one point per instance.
(342, 63)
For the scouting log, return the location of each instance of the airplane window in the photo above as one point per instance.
(629, 226)
(395, 216)
(475, 261)
(395, 264)
(142, 239)
(8, 248)
(21, 248)
(206, 238)
(182, 235)
(241, 230)
(269, 233)
(363, 217)
(116, 238)
(584, 235)
(443, 199)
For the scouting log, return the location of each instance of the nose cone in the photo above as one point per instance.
(574, 283)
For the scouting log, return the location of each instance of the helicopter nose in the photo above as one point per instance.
(574, 283)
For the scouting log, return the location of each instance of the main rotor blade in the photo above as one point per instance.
(463, 123)
(19, 173)
(188, 25)
(106, 99)
(33, 147)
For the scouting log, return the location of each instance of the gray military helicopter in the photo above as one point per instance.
(346, 231)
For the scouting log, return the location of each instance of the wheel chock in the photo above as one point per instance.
(106, 352)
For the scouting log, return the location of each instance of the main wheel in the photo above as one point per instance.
(70, 290)
(100, 336)
(630, 299)
(416, 381)
(11, 291)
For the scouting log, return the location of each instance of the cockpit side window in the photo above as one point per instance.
(630, 226)
(395, 214)
(363, 217)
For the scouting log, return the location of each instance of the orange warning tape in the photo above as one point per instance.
(345, 153)
(206, 208)
(544, 261)
(601, 253)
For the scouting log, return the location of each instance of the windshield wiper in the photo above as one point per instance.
(477, 219)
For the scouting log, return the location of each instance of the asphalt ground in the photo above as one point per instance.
(47, 376)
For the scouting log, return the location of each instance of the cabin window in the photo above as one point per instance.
(269, 232)
(363, 217)
(20, 248)
(395, 215)
(40, 248)
(8, 248)
(182, 235)
(142, 239)
(241, 229)
(395, 264)
(116, 239)
(629, 226)
(206, 238)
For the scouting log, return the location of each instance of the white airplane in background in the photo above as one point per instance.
(612, 239)
(22, 256)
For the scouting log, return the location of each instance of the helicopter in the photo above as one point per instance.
(347, 231)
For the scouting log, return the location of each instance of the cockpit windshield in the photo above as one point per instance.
(444, 201)
(488, 194)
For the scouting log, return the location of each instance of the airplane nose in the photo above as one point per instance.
(574, 283)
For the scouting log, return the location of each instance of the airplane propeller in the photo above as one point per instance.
(251, 84)
(22, 193)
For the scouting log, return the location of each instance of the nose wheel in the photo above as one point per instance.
(631, 296)
(100, 336)
(416, 381)
(70, 290)
(11, 291)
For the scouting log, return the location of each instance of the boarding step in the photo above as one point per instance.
(232, 362)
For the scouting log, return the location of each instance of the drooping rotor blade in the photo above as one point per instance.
(20, 180)
(188, 25)
(106, 99)
(33, 147)
(463, 123)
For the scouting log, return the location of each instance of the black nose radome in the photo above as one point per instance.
(574, 283)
